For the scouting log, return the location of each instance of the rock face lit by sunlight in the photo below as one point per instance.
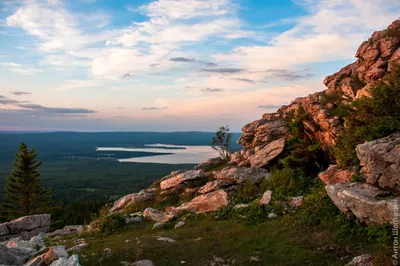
(181, 154)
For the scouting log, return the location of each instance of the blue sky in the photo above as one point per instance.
(171, 65)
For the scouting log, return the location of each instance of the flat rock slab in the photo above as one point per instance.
(166, 239)
(157, 215)
(180, 178)
(204, 203)
(364, 201)
(127, 200)
(241, 175)
(267, 154)
(215, 185)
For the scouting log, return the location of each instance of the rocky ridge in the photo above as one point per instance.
(264, 141)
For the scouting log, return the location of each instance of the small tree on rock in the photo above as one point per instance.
(221, 142)
(24, 191)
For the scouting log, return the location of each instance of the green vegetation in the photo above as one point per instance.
(111, 223)
(25, 193)
(370, 118)
(336, 100)
(221, 142)
(274, 241)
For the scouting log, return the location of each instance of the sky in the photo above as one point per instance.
(171, 65)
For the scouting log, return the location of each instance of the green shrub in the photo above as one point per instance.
(247, 192)
(254, 212)
(317, 208)
(286, 182)
(370, 118)
(111, 223)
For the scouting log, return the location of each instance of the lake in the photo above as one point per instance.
(181, 154)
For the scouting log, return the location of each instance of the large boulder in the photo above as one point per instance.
(367, 203)
(17, 251)
(9, 256)
(71, 261)
(54, 254)
(157, 215)
(381, 161)
(241, 175)
(334, 175)
(204, 203)
(180, 178)
(25, 227)
(130, 199)
(267, 154)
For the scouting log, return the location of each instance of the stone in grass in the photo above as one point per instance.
(159, 225)
(180, 224)
(166, 239)
(272, 215)
(241, 205)
(79, 246)
(255, 259)
(71, 261)
(143, 263)
(362, 260)
(266, 197)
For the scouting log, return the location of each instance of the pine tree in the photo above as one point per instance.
(24, 191)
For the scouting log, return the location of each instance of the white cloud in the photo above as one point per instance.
(172, 26)
(78, 84)
(19, 68)
(332, 31)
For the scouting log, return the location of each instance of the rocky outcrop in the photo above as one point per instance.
(240, 175)
(367, 203)
(256, 135)
(334, 175)
(25, 227)
(380, 160)
(204, 203)
(374, 58)
(142, 196)
(181, 178)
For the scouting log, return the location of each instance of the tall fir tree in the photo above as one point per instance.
(24, 191)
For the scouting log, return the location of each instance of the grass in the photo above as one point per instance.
(273, 241)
